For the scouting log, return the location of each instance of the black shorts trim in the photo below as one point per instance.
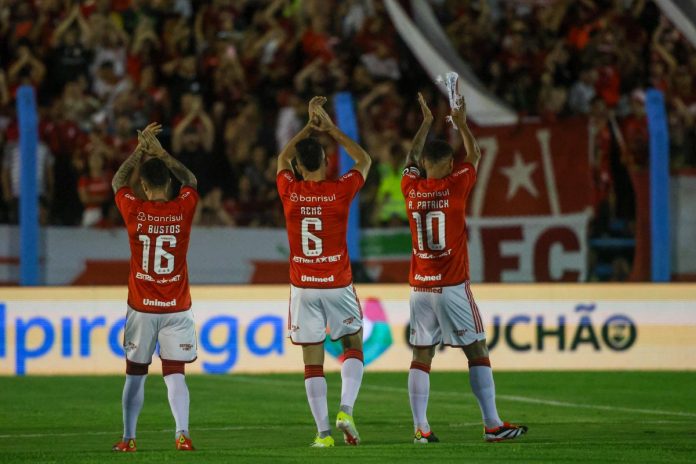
(179, 360)
(137, 364)
(346, 335)
(306, 344)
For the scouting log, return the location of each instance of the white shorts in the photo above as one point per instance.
(175, 332)
(445, 314)
(314, 312)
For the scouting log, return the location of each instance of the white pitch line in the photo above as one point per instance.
(115, 433)
(516, 398)
(564, 404)
(599, 407)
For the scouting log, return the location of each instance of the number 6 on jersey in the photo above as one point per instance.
(315, 248)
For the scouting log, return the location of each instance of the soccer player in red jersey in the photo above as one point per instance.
(443, 309)
(321, 290)
(159, 302)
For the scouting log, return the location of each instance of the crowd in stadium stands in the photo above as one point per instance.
(229, 80)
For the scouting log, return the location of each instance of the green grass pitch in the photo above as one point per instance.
(637, 417)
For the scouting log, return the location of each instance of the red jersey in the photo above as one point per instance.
(437, 216)
(158, 232)
(316, 215)
(97, 187)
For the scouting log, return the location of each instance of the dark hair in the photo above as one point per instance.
(106, 65)
(310, 153)
(155, 173)
(437, 150)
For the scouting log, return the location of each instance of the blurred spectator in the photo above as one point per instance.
(582, 92)
(192, 140)
(11, 172)
(70, 57)
(245, 208)
(211, 212)
(230, 81)
(390, 206)
(635, 133)
(26, 68)
(94, 188)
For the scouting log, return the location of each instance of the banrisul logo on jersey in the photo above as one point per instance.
(377, 337)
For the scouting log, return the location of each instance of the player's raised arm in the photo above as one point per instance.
(122, 176)
(473, 152)
(413, 158)
(183, 174)
(355, 151)
(288, 152)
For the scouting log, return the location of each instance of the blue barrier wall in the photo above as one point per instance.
(28, 203)
(348, 123)
(661, 252)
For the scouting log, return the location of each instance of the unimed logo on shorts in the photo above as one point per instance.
(377, 337)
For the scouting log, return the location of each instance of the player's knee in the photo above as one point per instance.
(173, 367)
(423, 358)
(313, 354)
(424, 355)
(133, 368)
(313, 370)
(354, 341)
(477, 354)
(353, 353)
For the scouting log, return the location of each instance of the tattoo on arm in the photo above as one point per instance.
(181, 172)
(122, 176)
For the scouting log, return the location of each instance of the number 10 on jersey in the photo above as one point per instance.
(434, 229)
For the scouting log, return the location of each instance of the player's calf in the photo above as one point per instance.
(315, 386)
(419, 392)
(351, 379)
(178, 395)
(132, 402)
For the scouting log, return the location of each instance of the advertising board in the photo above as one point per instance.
(69, 330)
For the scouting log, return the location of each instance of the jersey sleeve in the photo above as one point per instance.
(351, 181)
(187, 201)
(410, 175)
(284, 180)
(464, 177)
(126, 201)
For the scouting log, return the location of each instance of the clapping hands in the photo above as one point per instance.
(147, 139)
(318, 117)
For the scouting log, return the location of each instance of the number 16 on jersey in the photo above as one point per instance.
(160, 254)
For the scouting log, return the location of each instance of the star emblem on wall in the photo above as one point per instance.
(519, 175)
